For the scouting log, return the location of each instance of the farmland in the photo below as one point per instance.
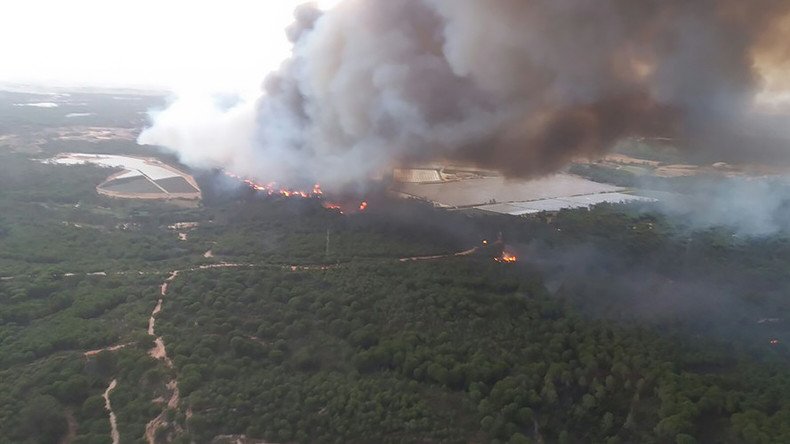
(495, 194)
(140, 178)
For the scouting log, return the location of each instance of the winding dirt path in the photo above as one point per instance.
(71, 434)
(159, 352)
(160, 421)
(90, 353)
(116, 437)
(439, 256)
(195, 268)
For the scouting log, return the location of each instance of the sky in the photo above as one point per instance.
(213, 45)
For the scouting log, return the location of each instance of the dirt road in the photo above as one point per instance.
(91, 353)
(116, 437)
(440, 256)
(159, 352)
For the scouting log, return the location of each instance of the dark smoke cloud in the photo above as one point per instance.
(517, 86)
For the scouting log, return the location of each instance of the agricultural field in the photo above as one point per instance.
(140, 178)
(491, 193)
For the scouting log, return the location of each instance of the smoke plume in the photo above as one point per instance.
(517, 86)
(749, 207)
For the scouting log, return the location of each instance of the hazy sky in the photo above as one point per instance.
(181, 44)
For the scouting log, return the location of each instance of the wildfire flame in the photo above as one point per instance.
(507, 258)
(273, 189)
(332, 206)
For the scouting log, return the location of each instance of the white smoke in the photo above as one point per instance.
(204, 134)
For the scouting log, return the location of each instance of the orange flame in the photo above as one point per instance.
(272, 188)
(507, 258)
(345, 207)
(332, 206)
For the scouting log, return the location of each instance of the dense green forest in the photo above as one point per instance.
(450, 351)
(303, 324)
(46, 326)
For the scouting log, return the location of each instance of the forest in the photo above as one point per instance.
(449, 351)
(617, 324)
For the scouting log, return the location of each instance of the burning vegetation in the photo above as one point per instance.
(344, 206)
(507, 258)
(496, 250)
(274, 189)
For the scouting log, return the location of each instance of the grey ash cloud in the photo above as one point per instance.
(519, 87)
